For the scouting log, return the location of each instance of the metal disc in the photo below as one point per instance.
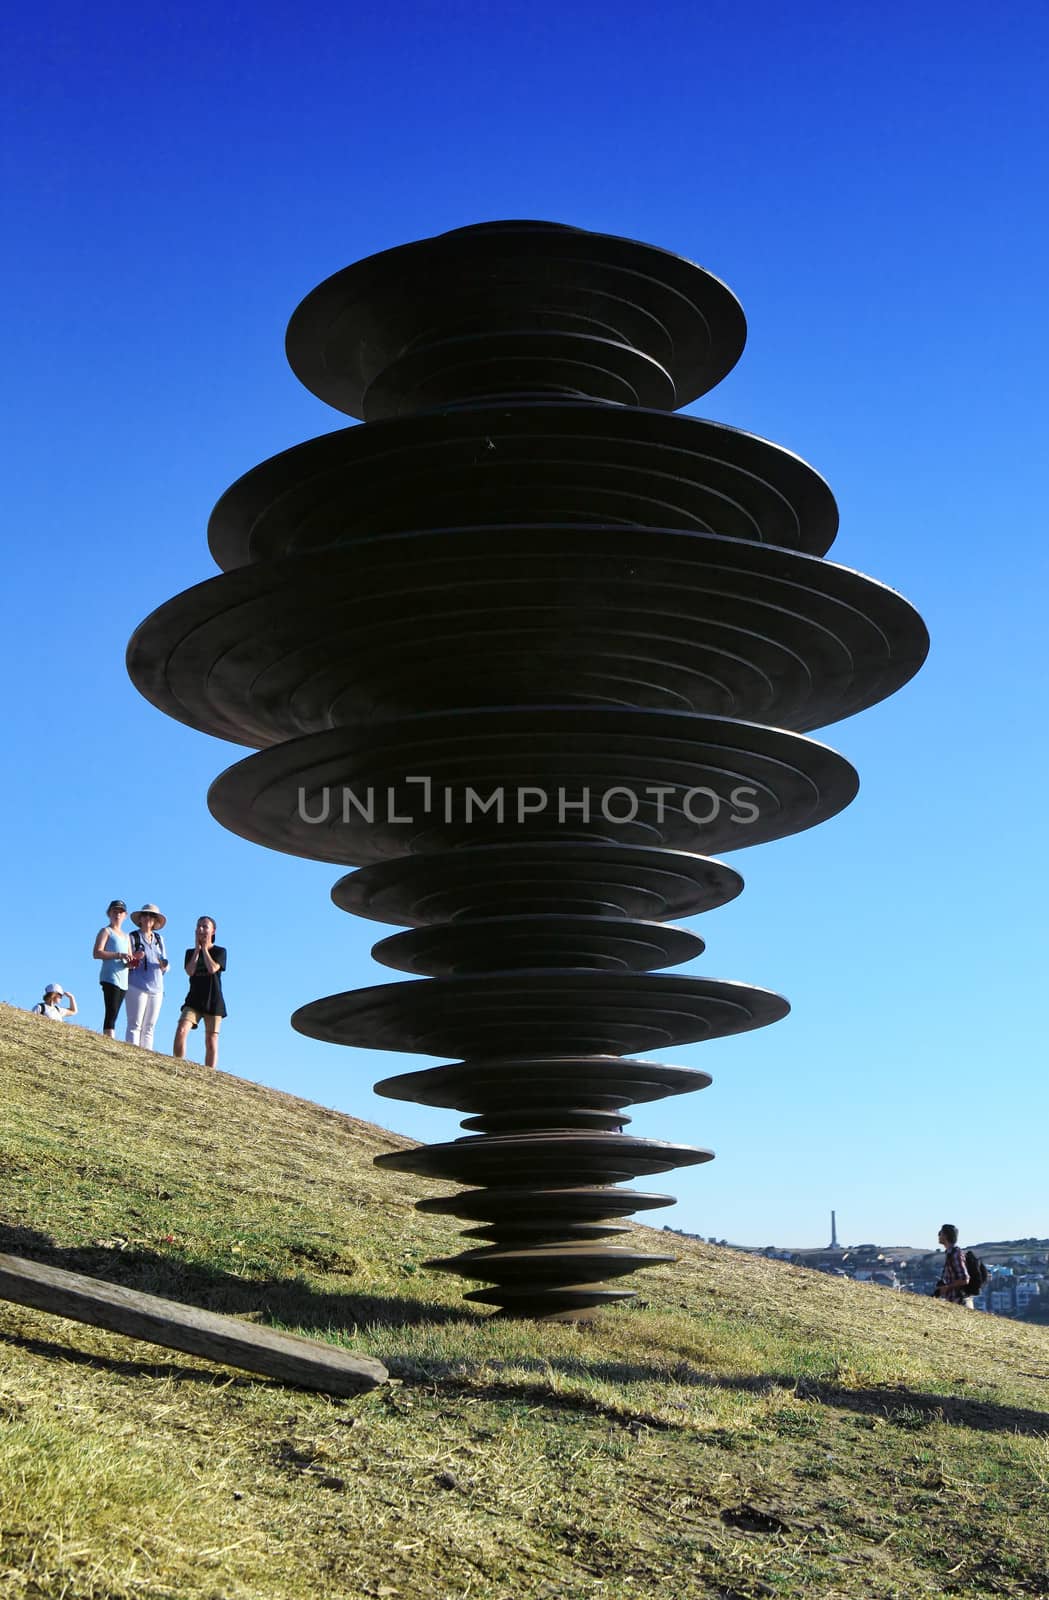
(499, 944)
(422, 784)
(463, 304)
(578, 1012)
(540, 877)
(483, 1085)
(468, 618)
(517, 465)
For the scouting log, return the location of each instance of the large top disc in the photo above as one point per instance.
(512, 309)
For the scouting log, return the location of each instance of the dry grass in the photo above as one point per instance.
(753, 1429)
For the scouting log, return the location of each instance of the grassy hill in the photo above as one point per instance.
(752, 1429)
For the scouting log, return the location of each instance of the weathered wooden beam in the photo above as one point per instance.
(284, 1356)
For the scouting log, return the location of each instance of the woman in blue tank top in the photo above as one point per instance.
(113, 949)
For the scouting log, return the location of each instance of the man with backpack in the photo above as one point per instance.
(963, 1275)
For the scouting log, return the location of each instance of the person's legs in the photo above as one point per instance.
(136, 1007)
(149, 1018)
(113, 999)
(211, 1041)
(178, 1049)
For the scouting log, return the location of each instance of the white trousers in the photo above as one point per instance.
(143, 1009)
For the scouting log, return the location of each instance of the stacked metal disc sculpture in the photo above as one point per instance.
(525, 650)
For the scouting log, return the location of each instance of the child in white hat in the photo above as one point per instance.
(49, 1006)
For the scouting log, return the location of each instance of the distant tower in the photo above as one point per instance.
(834, 1245)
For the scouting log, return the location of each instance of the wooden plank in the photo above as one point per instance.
(285, 1356)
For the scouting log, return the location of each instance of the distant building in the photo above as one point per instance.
(1027, 1289)
(1001, 1295)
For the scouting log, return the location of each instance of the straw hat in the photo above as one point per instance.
(148, 910)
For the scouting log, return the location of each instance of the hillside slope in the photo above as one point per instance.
(751, 1429)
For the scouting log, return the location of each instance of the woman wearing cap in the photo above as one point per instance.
(145, 979)
(205, 964)
(113, 949)
(49, 1005)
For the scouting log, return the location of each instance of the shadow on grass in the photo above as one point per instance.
(895, 1403)
(293, 1303)
(289, 1301)
(913, 1408)
(52, 1350)
(910, 1409)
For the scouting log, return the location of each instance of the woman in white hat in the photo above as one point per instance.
(145, 979)
(51, 1007)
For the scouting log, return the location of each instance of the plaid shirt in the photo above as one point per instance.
(954, 1277)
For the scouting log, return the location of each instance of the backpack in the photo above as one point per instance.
(977, 1272)
(138, 944)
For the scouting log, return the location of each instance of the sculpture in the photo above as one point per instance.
(527, 650)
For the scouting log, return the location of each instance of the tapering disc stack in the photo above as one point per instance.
(528, 651)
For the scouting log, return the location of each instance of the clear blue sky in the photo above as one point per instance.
(871, 182)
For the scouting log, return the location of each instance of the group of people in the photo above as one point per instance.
(133, 965)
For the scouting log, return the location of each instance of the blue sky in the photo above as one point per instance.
(870, 182)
